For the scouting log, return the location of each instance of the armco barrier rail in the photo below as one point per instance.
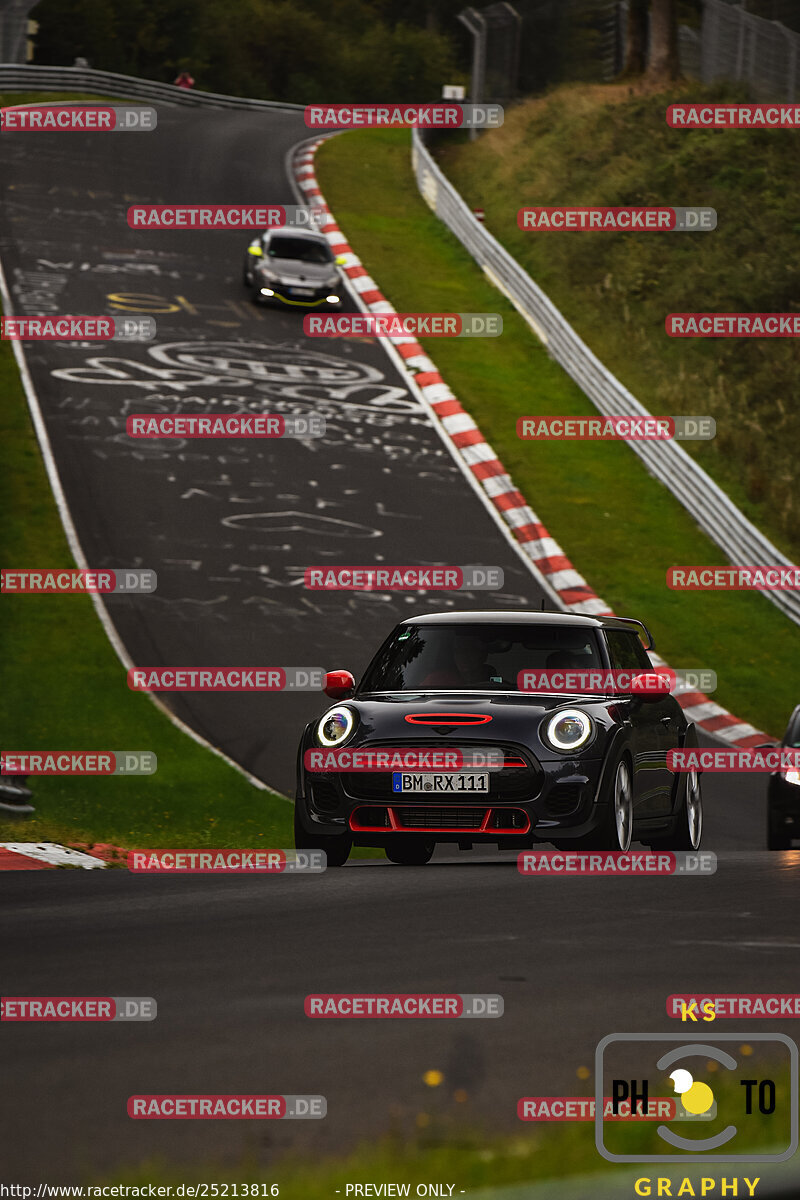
(125, 87)
(711, 508)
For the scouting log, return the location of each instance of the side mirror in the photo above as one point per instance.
(650, 685)
(339, 685)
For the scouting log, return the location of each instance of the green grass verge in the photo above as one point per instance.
(619, 526)
(595, 145)
(437, 1142)
(65, 689)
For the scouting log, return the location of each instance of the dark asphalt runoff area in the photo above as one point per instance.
(229, 528)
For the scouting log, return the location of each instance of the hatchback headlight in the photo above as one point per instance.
(792, 776)
(335, 727)
(568, 730)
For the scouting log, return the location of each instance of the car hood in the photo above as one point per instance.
(295, 269)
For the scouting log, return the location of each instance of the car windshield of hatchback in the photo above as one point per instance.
(299, 248)
(470, 657)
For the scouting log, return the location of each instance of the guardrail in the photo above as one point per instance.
(712, 509)
(126, 87)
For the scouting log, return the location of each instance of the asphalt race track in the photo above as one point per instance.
(229, 528)
(228, 525)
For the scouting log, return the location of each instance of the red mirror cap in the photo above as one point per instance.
(650, 685)
(339, 685)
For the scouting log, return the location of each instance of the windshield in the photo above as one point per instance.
(299, 248)
(431, 657)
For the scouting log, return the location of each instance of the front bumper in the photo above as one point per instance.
(528, 800)
(286, 295)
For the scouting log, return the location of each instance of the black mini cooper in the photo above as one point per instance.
(578, 769)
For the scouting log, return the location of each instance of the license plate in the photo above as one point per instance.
(302, 291)
(451, 783)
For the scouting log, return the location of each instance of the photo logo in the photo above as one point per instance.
(403, 116)
(721, 1111)
(404, 325)
(77, 329)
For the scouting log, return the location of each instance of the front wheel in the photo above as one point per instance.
(337, 846)
(410, 851)
(617, 829)
(688, 830)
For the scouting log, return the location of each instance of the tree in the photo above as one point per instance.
(664, 62)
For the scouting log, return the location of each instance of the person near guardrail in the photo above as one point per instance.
(184, 80)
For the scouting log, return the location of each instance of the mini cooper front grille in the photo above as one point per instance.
(438, 818)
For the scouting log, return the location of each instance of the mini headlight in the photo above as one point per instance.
(792, 776)
(569, 729)
(335, 727)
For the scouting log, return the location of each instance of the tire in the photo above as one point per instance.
(337, 846)
(688, 831)
(777, 836)
(617, 829)
(410, 851)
